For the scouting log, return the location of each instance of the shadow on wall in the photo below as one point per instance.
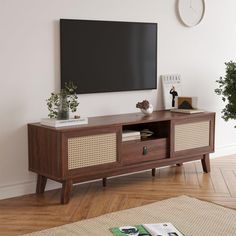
(56, 54)
(160, 102)
(14, 156)
(177, 13)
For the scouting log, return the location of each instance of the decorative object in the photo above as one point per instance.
(59, 104)
(189, 215)
(191, 12)
(227, 89)
(187, 102)
(145, 107)
(145, 133)
(186, 105)
(171, 85)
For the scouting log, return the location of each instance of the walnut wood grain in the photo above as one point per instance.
(44, 151)
(104, 182)
(154, 172)
(66, 191)
(206, 163)
(48, 148)
(41, 184)
(145, 150)
(129, 119)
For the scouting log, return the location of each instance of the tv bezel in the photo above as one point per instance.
(111, 21)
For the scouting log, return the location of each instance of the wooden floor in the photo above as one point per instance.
(32, 213)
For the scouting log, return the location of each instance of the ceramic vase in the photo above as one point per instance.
(148, 111)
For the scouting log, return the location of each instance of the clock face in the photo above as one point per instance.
(191, 12)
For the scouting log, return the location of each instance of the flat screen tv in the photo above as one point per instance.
(108, 56)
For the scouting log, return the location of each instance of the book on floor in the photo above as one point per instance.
(160, 229)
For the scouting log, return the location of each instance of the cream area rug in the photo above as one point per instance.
(191, 216)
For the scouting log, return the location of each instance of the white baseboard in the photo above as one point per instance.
(28, 187)
(17, 189)
(224, 151)
(24, 188)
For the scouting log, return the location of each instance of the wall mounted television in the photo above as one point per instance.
(108, 56)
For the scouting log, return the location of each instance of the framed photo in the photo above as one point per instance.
(187, 102)
(171, 85)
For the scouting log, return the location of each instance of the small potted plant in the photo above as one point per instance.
(145, 107)
(59, 104)
(227, 89)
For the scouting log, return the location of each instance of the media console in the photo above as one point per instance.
(80, 153)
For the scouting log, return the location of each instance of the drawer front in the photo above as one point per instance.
(92, 150)
(141, 151)
(192, 135)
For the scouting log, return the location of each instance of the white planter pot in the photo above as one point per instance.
(148, 111)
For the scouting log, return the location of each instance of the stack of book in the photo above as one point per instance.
(62, 123)
(187, 111)
(128, 135)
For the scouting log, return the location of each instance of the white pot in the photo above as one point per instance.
(148, 111)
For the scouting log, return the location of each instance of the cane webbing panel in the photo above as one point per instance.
(91, 150)
(192, 135)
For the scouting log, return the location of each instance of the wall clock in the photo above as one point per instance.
(191, 12)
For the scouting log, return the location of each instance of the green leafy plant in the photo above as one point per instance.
(143, 105)
(227, 89)
(60, 103)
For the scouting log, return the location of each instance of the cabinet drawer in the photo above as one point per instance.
(141, 151)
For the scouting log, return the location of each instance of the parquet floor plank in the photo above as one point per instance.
(190, 174)
(218, 181)
(230, 180)
(36, 212)
(204, 181)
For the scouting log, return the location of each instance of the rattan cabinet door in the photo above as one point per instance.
(92, 150)
(193, 136)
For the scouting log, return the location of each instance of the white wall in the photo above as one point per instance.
(29, 68)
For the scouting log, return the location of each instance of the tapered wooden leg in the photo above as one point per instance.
(206, 163)
(66, 191)
(41, 183)
(154, 172)
(104, 182)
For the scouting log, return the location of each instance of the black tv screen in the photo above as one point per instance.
(108, 56)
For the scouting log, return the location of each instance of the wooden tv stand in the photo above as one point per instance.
(80, 153)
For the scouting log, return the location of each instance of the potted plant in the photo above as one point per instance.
(59, 104)
(227, 89)
(145, 107)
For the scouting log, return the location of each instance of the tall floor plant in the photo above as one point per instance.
(227, 90)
